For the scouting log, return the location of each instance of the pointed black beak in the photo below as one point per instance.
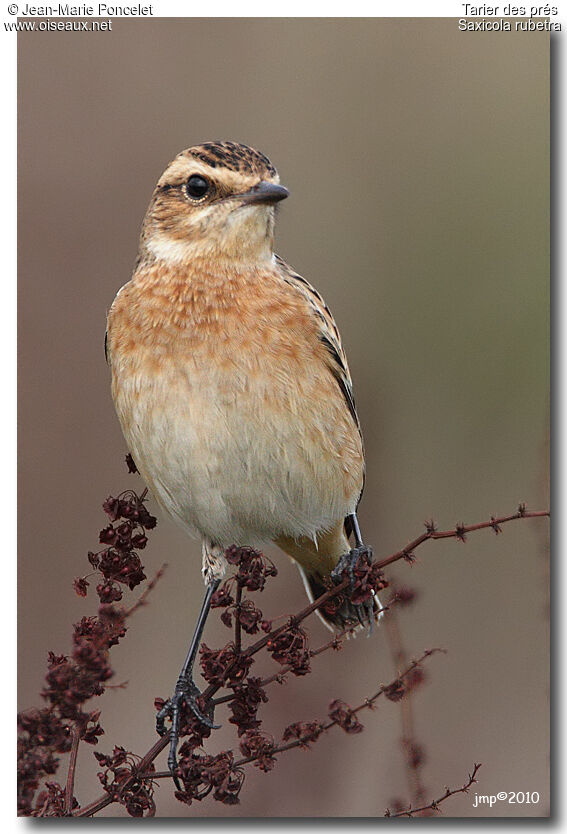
(265, 193)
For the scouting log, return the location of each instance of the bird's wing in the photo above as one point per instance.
(330, 337)
(328, 334)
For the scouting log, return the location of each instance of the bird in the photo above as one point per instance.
(232, 387)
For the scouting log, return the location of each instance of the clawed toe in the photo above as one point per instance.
(184, 698)
(364, 611)
(348, 562)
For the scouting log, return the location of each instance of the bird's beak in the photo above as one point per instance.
(264, 193)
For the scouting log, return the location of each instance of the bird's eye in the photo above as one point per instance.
(197, 187)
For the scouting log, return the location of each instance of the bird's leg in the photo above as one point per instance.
(356, 530)
(348, 562)
(186, 691)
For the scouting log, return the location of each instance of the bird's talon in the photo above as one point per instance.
(364, 611)
(184, 698)
(348, 562)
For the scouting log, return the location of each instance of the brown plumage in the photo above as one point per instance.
(228, 372)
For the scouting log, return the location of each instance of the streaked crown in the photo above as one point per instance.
(235, 157)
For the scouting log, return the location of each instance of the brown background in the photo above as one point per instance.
(417, 158)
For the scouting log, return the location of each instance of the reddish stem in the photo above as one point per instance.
(76, 737)
(435, 803)
(459, 532)
(406, 553)
(366, 704)
(237, 627)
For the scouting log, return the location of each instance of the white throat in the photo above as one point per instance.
(245, 237)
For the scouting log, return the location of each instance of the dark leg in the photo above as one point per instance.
(186, 691)
(356, 530)
(348, 560)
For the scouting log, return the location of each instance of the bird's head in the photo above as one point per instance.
(214, 200)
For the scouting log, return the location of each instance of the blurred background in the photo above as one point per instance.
(417, 157)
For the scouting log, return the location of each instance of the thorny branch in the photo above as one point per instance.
(335, 643)
(435, 803)
(459, 532)
(129, 779)
(344, 715)
(413, 751)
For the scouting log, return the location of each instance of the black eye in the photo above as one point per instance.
(197, 187)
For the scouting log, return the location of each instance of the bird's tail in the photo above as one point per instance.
(315, 561)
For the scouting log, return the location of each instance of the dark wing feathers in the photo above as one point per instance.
(329, 334)
(340, 372)
(330, 338)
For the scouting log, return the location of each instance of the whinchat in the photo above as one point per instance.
(231, 383)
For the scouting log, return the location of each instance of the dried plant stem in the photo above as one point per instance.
(237, 626)
(142, 600)
(144, 763)
(411, 749)
(335, 643)
(295, 620)
(459, 532)
(435, 803)
(141, 770)
(368, 703)
(76, 737)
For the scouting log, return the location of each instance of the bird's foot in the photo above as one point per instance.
(364, 611)
(183, 699)
(349, 561)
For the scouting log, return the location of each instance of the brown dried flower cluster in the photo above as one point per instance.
(72, 681)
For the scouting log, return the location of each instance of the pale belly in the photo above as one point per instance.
(239, 455)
